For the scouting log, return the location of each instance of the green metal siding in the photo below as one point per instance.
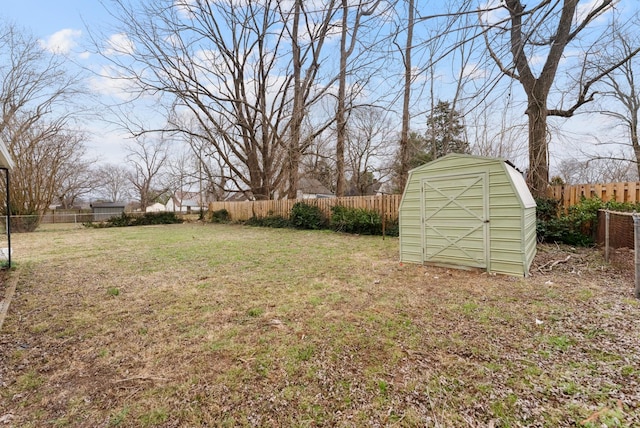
(410, 220)
(454, 212)
(511, 236)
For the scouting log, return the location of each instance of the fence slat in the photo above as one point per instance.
(570, 195)
(386, 205)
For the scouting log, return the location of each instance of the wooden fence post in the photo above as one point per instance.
(607, 215)
(636, 251)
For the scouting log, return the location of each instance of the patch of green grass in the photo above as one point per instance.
(560, 343)
(113, 291)
(606, 417)
(629, 371)
(255, 312)
(304, 353)
(383, 387)
(296, 328)
(154, 417)
(31, 380)
(504, 409)
(570, 388)
(116, 419)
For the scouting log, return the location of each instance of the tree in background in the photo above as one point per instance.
(235, 75)
(591, 171)
(445, 131)
(541, 33)
(36, 107)
(402, 166)
(369, 146)
(416, 152)
(148, 160)
(113, 183)
(348, 38)
(76, 178)
(621, 87)
(44, 156)
(318, 160)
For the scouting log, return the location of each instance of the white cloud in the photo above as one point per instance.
(111, 82)
(491, 13)
(61, 42)
(119, 44)
(584, 9)
(474, 71)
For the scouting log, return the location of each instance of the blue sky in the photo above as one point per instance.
(45, 17)
(61, 25)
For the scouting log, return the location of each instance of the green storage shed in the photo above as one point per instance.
(468, 211)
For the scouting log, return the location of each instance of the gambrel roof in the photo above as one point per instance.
(5, 157)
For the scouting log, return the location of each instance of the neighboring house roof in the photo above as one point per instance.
(186, 199)
(189, 203)
(372, 189)
(108, 205)
(155, 207)
(239, 197)
(311, 186)
(5, 157)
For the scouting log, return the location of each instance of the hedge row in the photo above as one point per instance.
(125, 220)
(578, 225)
(304, 216)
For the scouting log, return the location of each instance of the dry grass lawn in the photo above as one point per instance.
(224, 325)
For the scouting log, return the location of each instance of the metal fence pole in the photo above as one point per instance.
(636, 250)
(606, 235)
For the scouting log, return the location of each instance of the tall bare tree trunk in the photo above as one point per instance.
(406, 115)
(341, 120)
(538, 174)
(298, 113)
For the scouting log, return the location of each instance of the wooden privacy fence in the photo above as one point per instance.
(620, 192)
(386, 205)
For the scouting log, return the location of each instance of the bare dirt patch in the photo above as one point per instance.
(192, 325)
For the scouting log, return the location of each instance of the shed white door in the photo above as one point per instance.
(455, 220)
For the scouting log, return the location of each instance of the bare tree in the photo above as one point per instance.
(406, 99)
(621, 87)
(183, 172)
(148, 160)
(369, 148)
(589, 171)
(76, 177)
(43, 153)
(348, 39)
(215, 181)
(306, 60)
(33, 81)
(34, 87)
(113, 182)
(319, 161)
(545, 29)
(236, 69)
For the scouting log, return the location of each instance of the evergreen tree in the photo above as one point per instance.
(417, 154)
(445, 132)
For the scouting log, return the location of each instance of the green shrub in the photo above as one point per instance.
(220, 216)
(122, 220)
(356, 220)
(274, 221)
(125, 220)
(578, 225)
(304, 216)
(167, 217)
(392, 228)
